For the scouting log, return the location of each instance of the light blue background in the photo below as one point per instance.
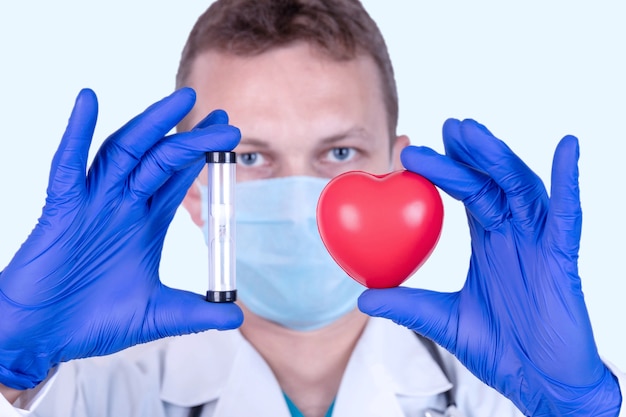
(532, 72)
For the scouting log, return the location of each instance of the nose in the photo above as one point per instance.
(296, 166)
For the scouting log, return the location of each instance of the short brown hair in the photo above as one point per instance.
(340, 28)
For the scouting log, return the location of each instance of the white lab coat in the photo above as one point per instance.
(390, 374)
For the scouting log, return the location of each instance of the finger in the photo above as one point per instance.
(472, 144)
(216, 117)
(122, 151)
(429, 313)
(69, 165)
(564, 221)
(169, 197)
(178, 152)
(171, 194)
(178, 312)
(484, 200)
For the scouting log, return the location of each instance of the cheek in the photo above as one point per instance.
(193, 205)
(380, 162)
(203, 177)
(373, 163)
(384, 167)
(265, 171)
(247, 175)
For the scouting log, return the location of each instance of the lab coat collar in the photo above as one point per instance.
(201, 368)
(195, 366)
(388, 361)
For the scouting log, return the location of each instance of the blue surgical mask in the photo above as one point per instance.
(284, 272)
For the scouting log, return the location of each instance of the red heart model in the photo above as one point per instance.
(380, 228)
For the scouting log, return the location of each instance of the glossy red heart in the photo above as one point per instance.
(380, 228)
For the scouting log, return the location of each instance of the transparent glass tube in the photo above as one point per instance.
(221, 218)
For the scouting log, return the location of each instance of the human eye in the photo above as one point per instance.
(250, 159)
(341, 154)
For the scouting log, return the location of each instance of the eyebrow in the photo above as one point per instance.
(357, 132)
(254, 142)
(352, 132)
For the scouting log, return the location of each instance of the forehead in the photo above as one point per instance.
(297, 85)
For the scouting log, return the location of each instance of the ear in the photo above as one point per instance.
(400, 143)
(192, 202)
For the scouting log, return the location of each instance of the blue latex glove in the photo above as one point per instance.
(86, 281)
(519, 323)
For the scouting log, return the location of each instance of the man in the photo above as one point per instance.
(310, 86)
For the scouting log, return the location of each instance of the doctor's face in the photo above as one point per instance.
(300, 112)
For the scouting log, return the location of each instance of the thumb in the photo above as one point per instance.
(179, 312)
(428, 313)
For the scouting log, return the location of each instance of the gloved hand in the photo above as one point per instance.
(519, 323)
(86, 281)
